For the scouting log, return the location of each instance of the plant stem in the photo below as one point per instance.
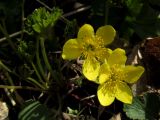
(4, 31)
(43, 50)
(11, 35)
(4, 67)
(36, 83)
(9, 78)
(18, 97)
(37, 73)
(39, 63)
(20, 87)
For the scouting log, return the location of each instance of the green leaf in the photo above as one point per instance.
(71, 29)
(25, 49)
(134, 6)
(41, 19)
(147, 22)
(144, 107)
(135, 110)
(34, 110)
(142, 19)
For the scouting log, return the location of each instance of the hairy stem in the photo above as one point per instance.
(43, 50)
(39, 63)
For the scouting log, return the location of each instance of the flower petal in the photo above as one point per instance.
(103, 54)
(107, 33)
(117, 57)
(91, 69)
(133, 73)
(105, 97)
(71, 49)
(123, 92)
(86, 31)
(104, 73)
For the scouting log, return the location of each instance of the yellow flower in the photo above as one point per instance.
(91, 47)
(114, 76)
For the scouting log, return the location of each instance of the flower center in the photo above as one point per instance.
(116, 75)
(90, 47)
(93, 47)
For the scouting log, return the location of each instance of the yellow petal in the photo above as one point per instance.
(123, 92)
(104, 73)
(91, 69)
(107, 33)
(103, 54)
(117, 57)
(133, 73)
(71, 49)
(86, 31)
(105, 97)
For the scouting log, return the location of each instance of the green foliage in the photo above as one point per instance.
(145, 107)
(134, 6)
(36, 65)
(34, 110)
(131, 17)
(136, 110)
(26, 49)
(41, 20)
(143, 19)
(71, 111)
(71, 29)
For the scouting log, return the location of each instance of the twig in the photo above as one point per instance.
(62, 18)
(51, 9)
(5, 33)
(42, 3)
(89, 97)
(20, 87)
(67, 14)
(11, 35)
(77, 11)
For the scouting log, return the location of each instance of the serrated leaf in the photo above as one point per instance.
(143, 108)
(34, 110)
(135, 110)
(41, 19)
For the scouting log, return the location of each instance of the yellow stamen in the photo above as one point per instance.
(116, 75)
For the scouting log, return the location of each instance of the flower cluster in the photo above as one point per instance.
(102, 65)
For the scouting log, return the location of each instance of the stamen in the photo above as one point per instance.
(99, 41)
(109, 87)
(116, 75)
(93, 47)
